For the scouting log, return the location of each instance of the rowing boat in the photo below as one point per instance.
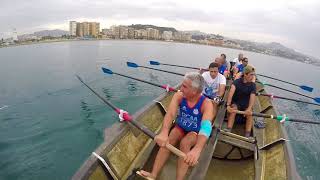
(226, 155)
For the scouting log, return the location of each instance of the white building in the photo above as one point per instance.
(153, 33)
(167, 35)
(73, 28)
(15, 35)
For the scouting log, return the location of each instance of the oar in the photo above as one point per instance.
(134, 65)
(317, 99)
(280, 118)
(127, 118)
(304, 87)
(167, 87)
(285, 98)
(158, 63)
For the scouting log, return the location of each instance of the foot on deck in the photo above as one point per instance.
(145, 175)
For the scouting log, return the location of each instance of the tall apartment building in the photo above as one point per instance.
(123, 32)
(141, 34)
(72, 28)
(153, 33)
(79, 31)
(94, 29)
(85, 29)
(115, 31)
(181, 36)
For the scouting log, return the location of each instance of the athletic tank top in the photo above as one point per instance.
(189, 119)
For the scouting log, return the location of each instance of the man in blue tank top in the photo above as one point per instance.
(223, 67)
(192, 127)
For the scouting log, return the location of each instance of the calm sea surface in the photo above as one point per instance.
(50, 123)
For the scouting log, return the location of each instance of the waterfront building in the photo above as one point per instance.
(153, 33)
(72, 28)
(115, 31)
(181, 36)
(141, 34)
(94, 29)
(79, 31)
(108, 33)
(130, 33)
(123, 32)
(85, 29)
(167, 35)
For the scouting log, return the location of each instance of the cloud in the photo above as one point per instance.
(294, 23)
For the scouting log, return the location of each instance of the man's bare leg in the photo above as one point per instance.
(185, 146)
(163, 154)
(249, 123)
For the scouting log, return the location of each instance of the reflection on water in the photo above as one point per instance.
(153, 77)
(5, 106)
(86, 111)
(132, 87)
(107, 93)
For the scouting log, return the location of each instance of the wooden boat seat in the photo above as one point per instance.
(237, 142)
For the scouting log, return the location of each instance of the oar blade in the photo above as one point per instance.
(154, 62)
(306, 88)
(107, 71)
(133, 65)
(317, 99)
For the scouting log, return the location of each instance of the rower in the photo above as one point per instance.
(225, 64)
(234, 63)
(215, 85)
(192, 127)
(241, 97)
(223, 68)
(239, 68)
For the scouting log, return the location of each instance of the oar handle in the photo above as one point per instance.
(254, 114)
(143, 128)
(175, 150)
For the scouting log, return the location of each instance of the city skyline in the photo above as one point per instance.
(292, 23)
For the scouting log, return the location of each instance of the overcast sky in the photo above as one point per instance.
(294, 23)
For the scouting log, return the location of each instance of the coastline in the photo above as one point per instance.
(228, 47)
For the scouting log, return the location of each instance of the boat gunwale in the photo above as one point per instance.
(291, 169)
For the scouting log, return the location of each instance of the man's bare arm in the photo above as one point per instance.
(207, 115)
(251, 101)
(222, 88)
